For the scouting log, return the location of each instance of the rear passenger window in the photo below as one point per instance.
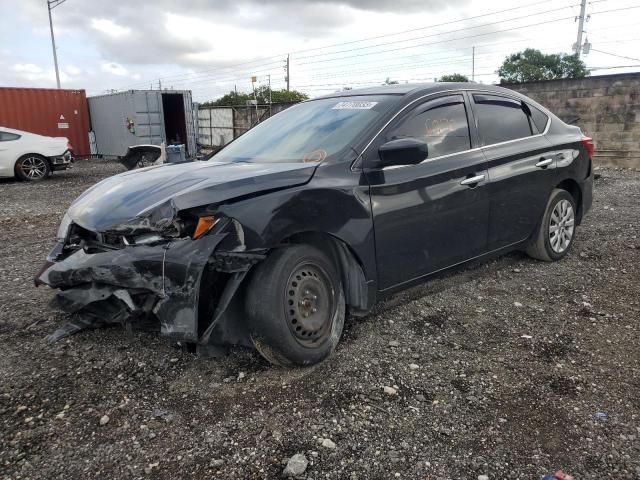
(500, 119)
(441, 123)
(538, 118)
(6, 136)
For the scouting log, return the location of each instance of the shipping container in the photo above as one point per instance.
(47, 111)
(138, 117)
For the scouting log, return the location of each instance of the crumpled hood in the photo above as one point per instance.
(136, 193)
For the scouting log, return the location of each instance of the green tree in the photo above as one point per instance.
(454, 77)
(233, 99)
(532, 65)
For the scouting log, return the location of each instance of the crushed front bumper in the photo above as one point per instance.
(132, 284)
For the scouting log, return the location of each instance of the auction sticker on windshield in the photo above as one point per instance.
(354, 105)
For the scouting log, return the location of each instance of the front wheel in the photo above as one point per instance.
(32, 167)
(555, 233)
(295, 306)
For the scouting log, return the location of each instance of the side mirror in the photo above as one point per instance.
(402, 151)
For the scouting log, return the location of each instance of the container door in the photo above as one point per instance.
(148, 118)
(191, 131)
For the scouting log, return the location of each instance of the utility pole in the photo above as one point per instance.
(577, 48)
(473, 63)
(288, 75)
(51, 4)
(159, 84)
(269, 94)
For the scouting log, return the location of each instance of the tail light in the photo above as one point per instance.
(588, 144)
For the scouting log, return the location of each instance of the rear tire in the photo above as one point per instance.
(555, 232)
(32, 168)
(295, 306)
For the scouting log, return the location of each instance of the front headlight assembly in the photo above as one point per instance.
(63, 229)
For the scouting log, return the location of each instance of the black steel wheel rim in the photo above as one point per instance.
(309, 304)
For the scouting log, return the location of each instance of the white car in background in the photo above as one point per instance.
(32, 157)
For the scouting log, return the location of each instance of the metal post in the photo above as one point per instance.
(473, 63)
(288, 72)
(578, 46)
(53, 40)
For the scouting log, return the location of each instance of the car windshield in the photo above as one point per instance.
(307, 132)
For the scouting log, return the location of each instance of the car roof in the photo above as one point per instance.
(418, 88)
(10, 130)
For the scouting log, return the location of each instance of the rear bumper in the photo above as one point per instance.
(587, 195)
(61, 162)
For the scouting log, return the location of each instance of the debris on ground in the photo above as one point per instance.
(296, 465)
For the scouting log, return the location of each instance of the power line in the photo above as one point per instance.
(145, 82)
(440, 42)
(432, 43)
(434, 25)
(467, 36)
(444, 33)
(399, 48)
(616, 66)
(197, 77)
(616, 55)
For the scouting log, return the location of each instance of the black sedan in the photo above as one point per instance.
(319, 212)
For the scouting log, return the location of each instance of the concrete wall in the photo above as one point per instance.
(217, 126)
(606, 107)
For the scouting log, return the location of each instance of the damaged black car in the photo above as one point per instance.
(319, 212)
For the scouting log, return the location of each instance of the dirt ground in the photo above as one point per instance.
(510, 369)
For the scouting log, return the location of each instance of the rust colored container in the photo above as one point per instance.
(48, 111)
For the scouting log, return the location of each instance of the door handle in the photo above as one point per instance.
(544, 162)
(472, 180)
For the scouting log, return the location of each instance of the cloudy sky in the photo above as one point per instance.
(210, 46)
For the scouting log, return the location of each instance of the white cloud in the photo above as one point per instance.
(72, 71)
(114, 69)
(27, 68)
(109, 28)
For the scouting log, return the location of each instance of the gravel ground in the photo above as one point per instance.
(510, 369)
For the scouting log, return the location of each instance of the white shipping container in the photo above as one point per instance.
(138, 117)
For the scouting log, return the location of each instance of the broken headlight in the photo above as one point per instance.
(144, 239)
(63, 229)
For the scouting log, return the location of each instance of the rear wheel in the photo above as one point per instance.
(32, 167)
(556, 231)
(295, 306)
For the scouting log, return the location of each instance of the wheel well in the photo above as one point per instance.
(573, 188)
(356, 288)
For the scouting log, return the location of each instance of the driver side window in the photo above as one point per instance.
(441, 123)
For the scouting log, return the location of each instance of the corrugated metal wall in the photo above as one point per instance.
(45, 111)
(110, 115)
(217, 126)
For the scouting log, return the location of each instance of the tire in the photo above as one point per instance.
(32, 168)
(559, 217)
(295, 306)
